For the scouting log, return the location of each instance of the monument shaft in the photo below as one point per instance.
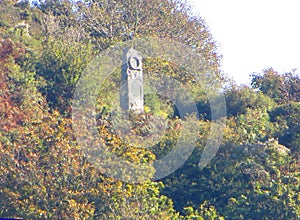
(132, 97)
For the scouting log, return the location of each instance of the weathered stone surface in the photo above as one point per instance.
(132, 92)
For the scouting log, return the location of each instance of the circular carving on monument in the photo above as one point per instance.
(134, 63)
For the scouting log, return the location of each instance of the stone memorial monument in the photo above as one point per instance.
(132, 92)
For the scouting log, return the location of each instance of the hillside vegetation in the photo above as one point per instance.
(45, 46)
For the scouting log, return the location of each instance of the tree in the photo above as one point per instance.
(43, 173)
(46, 173)
(93, 26)
(281, 88)
(239, 100)
(287, 118)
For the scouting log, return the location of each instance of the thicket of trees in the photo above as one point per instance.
(44, 48)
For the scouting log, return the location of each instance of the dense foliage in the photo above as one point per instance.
(44, 48)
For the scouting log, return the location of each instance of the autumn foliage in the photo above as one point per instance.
(44, 174)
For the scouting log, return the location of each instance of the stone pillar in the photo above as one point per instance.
(132, 94)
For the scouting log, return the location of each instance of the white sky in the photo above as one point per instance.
(253, 35)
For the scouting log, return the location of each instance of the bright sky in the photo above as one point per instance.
(253, 35)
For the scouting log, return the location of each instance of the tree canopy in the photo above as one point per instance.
(45, 47)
